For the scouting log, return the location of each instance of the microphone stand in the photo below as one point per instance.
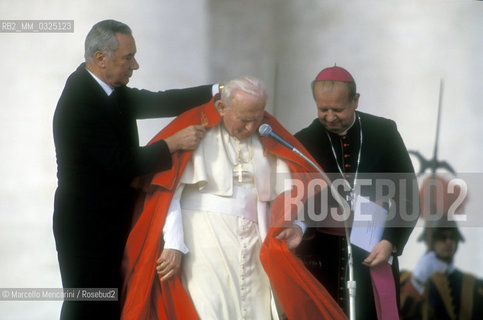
(351, 283)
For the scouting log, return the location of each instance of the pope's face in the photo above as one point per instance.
(445, 245)
(244, 114)
(120, 67)
(335, 111)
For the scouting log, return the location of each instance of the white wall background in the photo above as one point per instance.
(397, 51)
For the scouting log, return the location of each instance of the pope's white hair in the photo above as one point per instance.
(250, 85)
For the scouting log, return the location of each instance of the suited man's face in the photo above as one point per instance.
(120, 67)
(335, 111)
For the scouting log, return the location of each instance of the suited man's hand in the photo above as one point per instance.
(292, 236)
(380, 254)
(169, 263)
(186, 139)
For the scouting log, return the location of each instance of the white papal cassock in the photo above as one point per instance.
(219, 221)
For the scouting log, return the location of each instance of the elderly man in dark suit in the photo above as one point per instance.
(98, 155)
(353, 145)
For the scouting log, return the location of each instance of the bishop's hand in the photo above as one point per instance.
(380, 254)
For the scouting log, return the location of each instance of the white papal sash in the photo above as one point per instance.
(243, 203)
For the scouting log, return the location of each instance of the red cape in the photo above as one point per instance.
(144, 296)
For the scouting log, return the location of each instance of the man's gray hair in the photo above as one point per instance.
(250, 85)
(102, 37)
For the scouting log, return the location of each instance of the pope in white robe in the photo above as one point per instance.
(219, 214)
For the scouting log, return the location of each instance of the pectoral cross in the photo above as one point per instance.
(239, 170)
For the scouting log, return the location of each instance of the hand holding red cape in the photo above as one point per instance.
(144, 296)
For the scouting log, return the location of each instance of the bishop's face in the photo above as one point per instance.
(244, 114)
(335, 110)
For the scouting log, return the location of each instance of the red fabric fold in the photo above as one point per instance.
(299, 293)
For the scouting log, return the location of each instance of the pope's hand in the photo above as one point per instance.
(292, 236)
(169, 263)
(380, 254)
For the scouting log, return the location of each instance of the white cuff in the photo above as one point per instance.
(215, 89)
(301, 225)
(173, 234)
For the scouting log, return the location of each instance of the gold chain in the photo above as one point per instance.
(238, 150)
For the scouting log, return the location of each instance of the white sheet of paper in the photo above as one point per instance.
(368, 225)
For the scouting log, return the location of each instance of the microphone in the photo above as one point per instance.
(266, 131)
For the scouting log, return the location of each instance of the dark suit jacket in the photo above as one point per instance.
(98, 155)
(383, 155)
